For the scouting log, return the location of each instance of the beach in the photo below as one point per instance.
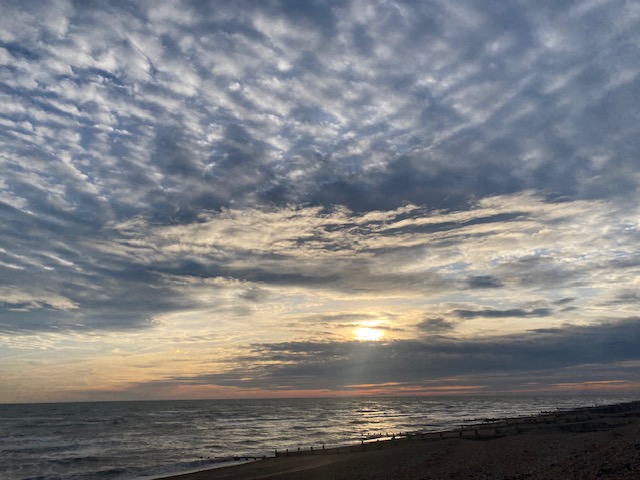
(600, 442)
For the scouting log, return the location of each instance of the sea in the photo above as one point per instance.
(148, 440)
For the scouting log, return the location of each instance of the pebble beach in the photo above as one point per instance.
(600, 442)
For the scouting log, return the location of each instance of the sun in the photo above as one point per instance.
(368, 334)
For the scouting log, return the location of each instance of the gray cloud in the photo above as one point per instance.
(626, 298)
(436, 326)
(511, 313)
(339, 364)
(484, 281)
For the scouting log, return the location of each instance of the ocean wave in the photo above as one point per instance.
(131, 440)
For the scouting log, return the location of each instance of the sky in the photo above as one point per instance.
(279, 198)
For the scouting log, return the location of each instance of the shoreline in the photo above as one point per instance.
(587, 442)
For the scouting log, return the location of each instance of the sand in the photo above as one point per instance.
(588, 443)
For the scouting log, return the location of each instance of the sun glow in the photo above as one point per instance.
(368, 334)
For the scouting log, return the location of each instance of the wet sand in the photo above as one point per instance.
(587, 443)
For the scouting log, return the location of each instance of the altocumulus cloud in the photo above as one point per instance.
(264, 167)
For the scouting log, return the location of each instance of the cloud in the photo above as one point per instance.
(625, 298)
(133, 270)
(484, 281)
(511, 313)
(335, 365)
(428, 164)
(438, 113)
(436, 326)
